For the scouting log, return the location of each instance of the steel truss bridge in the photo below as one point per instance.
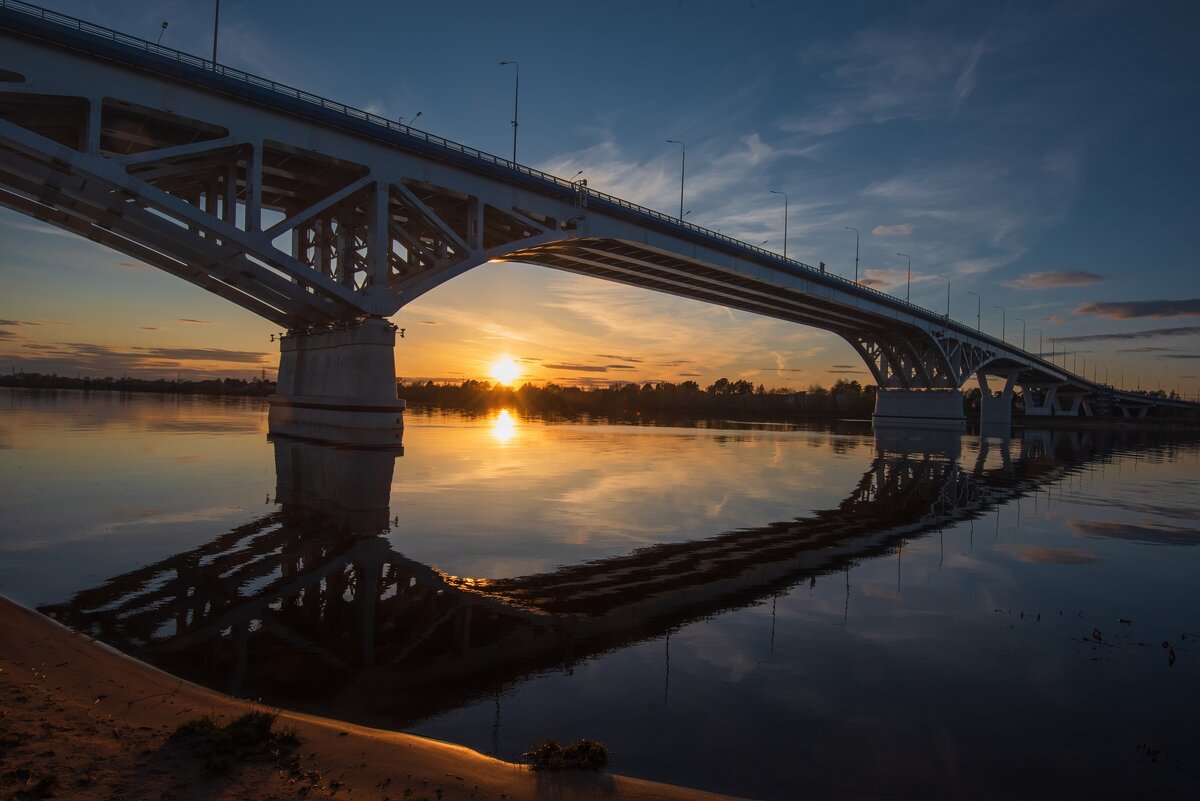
(309, 604)
(327, 220)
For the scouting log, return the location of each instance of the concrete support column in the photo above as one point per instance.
(1046, 407)
(996, 410)
(1068, 404)
(339, 385)
(923, 408)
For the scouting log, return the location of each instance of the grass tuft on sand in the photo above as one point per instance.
(249, 737)
(579, 755)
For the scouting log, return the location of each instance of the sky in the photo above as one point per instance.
(1040, 154)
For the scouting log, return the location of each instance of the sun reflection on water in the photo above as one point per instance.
(504, 427)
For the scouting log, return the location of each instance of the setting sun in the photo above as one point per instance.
(505, 370)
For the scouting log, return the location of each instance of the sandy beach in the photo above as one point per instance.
(81, 721)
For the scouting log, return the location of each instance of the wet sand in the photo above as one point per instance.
(82, 721)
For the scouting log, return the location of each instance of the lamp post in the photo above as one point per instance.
(1039, 342)
(412, 120)
(785, 216)
(161, 32)
(516, 99)
(855, 230)
(682, 172)
(216, 25)
(978, 310)
(939, 275)
(1002, 337)
(1022, 332)
(908, 286)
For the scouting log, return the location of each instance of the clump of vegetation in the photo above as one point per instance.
(579, 755)
(250, 736)
(34, 784)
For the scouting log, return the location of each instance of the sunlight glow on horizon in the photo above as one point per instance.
(504, 370)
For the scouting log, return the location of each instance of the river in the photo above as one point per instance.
(772, 611)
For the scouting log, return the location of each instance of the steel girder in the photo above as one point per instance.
(348, 246)
(913, 358)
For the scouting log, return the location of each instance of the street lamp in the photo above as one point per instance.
(411, 121)
(908, 286)
(939, 275)
(785, 216)
(682, 171)
(160, 33)
(855, 230)
(216, 24)
(978, 310)
(1022, 332)
(1040, 354)
(516, 98)
(1002, 337)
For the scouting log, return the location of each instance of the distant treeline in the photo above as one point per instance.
(209, 386)
(845, 399)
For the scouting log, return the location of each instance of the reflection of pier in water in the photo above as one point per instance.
(309, 606)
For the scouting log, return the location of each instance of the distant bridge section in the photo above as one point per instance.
(327, 220)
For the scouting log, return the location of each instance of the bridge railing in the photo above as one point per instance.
(233, 76)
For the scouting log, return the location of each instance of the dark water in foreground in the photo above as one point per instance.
(755, 610)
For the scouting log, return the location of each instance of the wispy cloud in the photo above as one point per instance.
(194, 322)
(902, 229)
(1129, 309)
(1054, 278)
(965, 84)
(884, 279)
(582, 368)
(885, 74)
(1147, 532)
(1150, 333)
(1036, 554)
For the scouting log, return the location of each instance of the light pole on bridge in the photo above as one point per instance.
(216, 25)
(855, 230)
(1040, 354)
(1022, 332)
(785, 218)
(908, 285)
(939, 275)
(682, 172)
(516, 101)
(978, 310)
(1002, 336)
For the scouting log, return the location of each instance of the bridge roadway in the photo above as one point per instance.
(311, 603)
(327, 220)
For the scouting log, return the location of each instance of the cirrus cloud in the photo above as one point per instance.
(1054, 278)
(901, 229)
(1129, 309)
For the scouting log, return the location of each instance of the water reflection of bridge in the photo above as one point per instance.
(310, 606)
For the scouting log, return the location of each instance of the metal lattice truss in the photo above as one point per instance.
(301, 238)
(917, 359)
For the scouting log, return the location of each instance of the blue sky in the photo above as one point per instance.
(1040, 154)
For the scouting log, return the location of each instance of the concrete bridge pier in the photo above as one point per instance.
(339, 384)
(921, 408)
(995, 410)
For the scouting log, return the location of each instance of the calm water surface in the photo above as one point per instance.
(757, 610)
